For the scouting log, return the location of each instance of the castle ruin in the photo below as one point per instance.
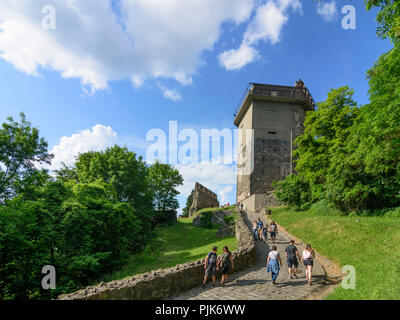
(202, 198)
(275, 116)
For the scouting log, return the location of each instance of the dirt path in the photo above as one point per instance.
(255, 284)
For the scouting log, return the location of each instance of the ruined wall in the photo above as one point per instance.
(202, 198)
(164, 283)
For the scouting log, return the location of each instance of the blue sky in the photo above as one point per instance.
(106, 76)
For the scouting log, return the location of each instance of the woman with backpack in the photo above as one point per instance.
(308, 259)
(273, 262)
(226, 261)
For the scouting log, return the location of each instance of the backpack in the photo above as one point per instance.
(212, 258)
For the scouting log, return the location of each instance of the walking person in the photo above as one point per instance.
(226, 261)
(273, 230)
(260, 226)
(255, 230)
(265, 233)
(210, 265)
(273, 264)
(308, 259)
(292, 254)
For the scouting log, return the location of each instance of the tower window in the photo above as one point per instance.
(271, 132)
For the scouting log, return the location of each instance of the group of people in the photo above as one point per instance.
(274, 261)
(260, 231)
(212, 264)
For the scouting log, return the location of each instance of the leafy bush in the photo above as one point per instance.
(229, 219)
(205, 219)
(293, 191)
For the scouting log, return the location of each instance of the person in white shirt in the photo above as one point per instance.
(308, 259)
(273, 265)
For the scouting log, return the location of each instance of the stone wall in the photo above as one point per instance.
(164, 283)
(202, 198)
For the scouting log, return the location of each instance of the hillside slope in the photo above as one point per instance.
(175, 244)
(370, 244)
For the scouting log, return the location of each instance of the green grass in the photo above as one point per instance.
(232, 207)
(179, 243)
(370, 245)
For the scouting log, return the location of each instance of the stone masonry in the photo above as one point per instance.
(276, 115)
(202, 198)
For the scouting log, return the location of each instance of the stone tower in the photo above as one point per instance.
(276, 114)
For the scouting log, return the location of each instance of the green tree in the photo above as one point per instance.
(367, 174)
(66, 174)
(21, 148)
(99, 234)
(325, 134)
(293, 191)
(189, 202)
(122, 171)
(388, 18)
(163, 180)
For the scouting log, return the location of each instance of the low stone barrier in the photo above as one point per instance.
(164, 283)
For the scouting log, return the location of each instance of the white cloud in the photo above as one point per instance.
(170, 94)
(216, 176)
(235, 59)
(327, 10)
(95, 139)
(266, 25)
(98, 42)
(224, 194)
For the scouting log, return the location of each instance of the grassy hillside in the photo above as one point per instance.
(232, 207)
(369, 243)
(179, 243)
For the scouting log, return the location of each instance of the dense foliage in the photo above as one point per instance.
(350, 155)
(86, 221)
(388, 18)
(20, 148)
(163, 180)
(189, 201)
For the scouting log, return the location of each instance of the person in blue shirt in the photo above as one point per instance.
(210, 265)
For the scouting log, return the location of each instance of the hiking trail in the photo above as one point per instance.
(254, 283)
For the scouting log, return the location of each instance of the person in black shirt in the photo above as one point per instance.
(292, 254)
(210, 266)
